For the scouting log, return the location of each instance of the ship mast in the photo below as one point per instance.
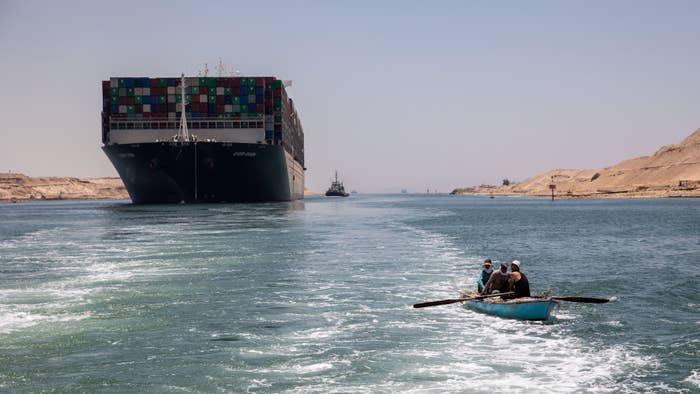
(183, 134)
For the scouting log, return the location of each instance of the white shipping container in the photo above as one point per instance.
(114, 82)
(122, 109)
(147, 108)
(219, 91)
(171, 98)
(138, 91)
(146, 91)
(172, 115)
(178, 107)
(251, 99)
(171, 89)
(192, 81)
(203, 98)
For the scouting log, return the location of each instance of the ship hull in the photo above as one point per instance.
(204, 172)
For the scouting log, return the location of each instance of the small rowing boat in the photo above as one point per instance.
(518, 308)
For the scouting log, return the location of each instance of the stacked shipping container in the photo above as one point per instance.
(261, 101)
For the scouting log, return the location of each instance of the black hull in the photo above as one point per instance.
(202, 172)
(335, 194)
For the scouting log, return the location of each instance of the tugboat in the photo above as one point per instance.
(337, 189)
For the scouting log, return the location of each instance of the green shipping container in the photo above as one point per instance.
(277, 84)
(122, 84)
(115, 100)
(162, 100)
(139, 99)
(130, 109)
(278, 101)
(212, 99)
(236, 100)
(129, 91)
(188, 99)
(162, 83)
(115, 91)
(244, 109)
(228, 91)
(211, 82)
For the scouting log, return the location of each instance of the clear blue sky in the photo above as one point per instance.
(393, 94)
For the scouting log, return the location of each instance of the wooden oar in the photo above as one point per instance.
(589, 300)
(453, 300)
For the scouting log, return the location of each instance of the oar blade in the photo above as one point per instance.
(589, 300)
(436, 303)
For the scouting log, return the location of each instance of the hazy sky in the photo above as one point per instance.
(393, 94)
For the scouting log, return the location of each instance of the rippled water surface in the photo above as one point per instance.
(316, 296)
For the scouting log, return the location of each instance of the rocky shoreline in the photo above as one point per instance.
(673, 171)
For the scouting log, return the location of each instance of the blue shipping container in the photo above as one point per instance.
(259, 90)
(129, 83)
(244, 91)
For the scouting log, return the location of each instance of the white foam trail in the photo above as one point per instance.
(694, 378)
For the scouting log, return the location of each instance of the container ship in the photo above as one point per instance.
(199, 140)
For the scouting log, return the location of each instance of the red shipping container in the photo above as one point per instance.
(268, 94)
(220, 108)
(236, 91)
(268, 101)
(138, 108)
(203, 90)
(277, 93)
(130, 100)
(269, 80)
(195, 98)
(146, 115)
(122, 100)
(220, 100)
(236, 82)
(153, 83)
(259, 82)
(226, 82)
(260, 108)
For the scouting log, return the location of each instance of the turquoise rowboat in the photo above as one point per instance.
(521, 309)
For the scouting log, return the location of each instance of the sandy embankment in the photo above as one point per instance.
(17, 187)
(673, 171)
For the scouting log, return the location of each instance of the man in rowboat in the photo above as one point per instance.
(485, 275)
(518, 281)
(498, 283)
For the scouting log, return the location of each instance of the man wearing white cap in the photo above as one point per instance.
(518, 281)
